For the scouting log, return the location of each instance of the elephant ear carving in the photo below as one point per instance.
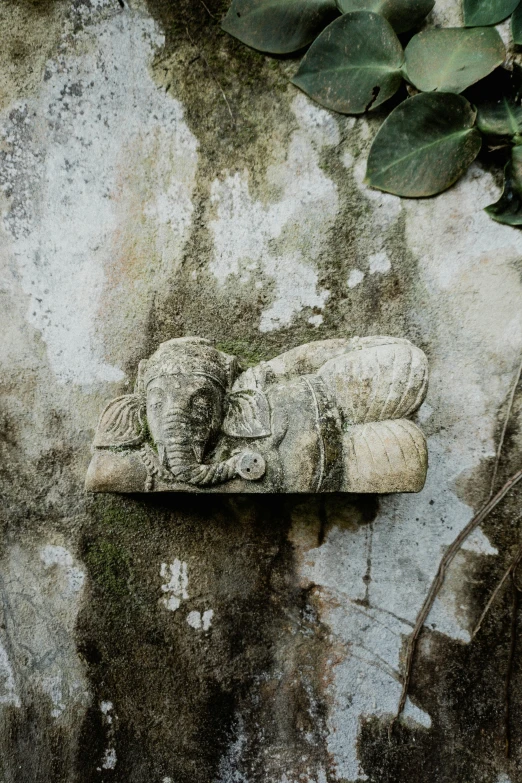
(121, 423)
(248, 414)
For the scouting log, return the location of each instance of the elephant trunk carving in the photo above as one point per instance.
(181, 453)
(327, 416)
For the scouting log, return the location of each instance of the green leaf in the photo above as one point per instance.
(508, 209)
(450, 60)
(354, 65)
(485, 12)
(424, 146)
(401, 14)
(278, 26)
(516, 25)
(498, 102)
(502, 119)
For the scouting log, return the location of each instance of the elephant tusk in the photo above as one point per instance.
(197, 448)
(162, 454)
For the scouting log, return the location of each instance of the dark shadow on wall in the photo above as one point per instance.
(34, 747)
(247, 695)
(463, 689)
(471, 690)
(38, 6)
(195, 703)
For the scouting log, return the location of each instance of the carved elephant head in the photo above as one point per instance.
(183, 399)
(326, 416)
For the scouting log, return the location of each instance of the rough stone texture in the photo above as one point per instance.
(160, 179)
(326, 416)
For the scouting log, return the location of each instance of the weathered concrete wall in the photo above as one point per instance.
(159, 179)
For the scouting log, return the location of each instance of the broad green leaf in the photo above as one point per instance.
(502, 119)
(424, 146)
(485, 12)
(508, 209)
(498, 102)
(516, 25)
(354, 65)
(278, 26)
(450, 60)
(401, 14)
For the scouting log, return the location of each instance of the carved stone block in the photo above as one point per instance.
(328, 416)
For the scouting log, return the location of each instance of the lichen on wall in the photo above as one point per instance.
(158, 179)
(98, 139)
(280, 241)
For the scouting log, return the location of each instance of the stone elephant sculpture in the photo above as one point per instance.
(327, 416)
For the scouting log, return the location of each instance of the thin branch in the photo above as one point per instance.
(511, 569)
(439, 579)
(214, 79)
(207, 10)
(504, 428)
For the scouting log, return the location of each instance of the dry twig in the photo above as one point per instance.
(439, 579)
(511, 570)
(209, 12)
(504, 428)
(452, 551)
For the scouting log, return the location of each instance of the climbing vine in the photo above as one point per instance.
(461, 97)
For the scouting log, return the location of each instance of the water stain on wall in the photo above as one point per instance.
(186, 135)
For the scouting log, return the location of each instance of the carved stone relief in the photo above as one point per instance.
(328, 416)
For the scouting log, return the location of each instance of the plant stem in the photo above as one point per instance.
(439, 579)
